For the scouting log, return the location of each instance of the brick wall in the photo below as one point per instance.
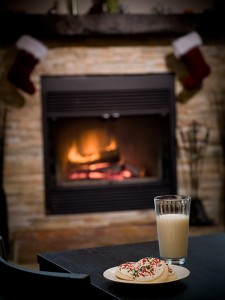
(23, 161)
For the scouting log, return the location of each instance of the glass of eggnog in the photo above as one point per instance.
(172, 220)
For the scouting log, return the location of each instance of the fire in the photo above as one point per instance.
(75, 157)
(112, 146)
(95, 156)
(92, 146)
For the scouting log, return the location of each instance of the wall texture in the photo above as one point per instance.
(23, 162)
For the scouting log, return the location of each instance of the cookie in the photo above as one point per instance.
(126, 271)
(150, 269)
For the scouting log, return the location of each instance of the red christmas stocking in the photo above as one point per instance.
(30, 52)
(187, 50)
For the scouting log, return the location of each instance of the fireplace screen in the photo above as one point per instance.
(108, 141)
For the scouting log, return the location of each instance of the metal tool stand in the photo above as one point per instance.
(195, 139)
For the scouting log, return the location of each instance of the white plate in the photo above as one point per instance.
(180, 271)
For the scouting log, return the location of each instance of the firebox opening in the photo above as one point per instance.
(97, 151)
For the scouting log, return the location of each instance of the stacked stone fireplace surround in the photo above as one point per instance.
(23, 160)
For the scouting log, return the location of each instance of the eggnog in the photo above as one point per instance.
(173, 230)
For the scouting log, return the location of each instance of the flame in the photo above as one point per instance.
(112, 146)
(91, 145)
(75, 157)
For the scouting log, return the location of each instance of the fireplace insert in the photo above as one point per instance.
(108, 141)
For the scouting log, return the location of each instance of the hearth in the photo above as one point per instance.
(109, 141)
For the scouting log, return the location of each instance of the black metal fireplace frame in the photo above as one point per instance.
(107, 96)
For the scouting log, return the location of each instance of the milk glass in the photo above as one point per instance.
(172, 220)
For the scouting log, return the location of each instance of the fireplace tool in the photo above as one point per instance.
(195, 139)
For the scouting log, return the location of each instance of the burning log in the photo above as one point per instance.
(108, 156)
(136, 172)
(105, 156)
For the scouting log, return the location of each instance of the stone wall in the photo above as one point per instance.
(23, 161)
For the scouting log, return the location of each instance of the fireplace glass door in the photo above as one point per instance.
(97, 151)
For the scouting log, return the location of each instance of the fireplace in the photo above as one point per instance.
(109, 141)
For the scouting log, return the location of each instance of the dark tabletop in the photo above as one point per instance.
(206, 263)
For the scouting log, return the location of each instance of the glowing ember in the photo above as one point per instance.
(105, 171)
(99, 166)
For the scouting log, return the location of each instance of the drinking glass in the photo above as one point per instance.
(172, 220)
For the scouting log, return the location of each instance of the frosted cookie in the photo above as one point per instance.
(126, 271)
(150, 269)
(171, 273)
